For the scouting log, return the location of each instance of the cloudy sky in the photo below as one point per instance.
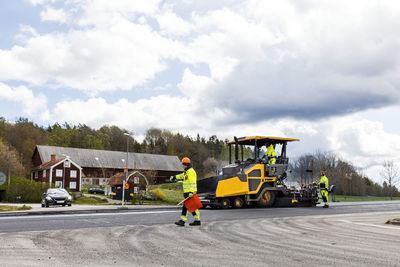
(326, 72)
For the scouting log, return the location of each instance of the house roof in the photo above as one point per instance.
(117, 179)
(93, 158)
(49, 164)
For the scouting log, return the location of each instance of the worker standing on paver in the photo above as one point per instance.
(271, 154)
(189, 184)
(323, 186)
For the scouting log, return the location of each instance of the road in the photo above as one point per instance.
(345, 234)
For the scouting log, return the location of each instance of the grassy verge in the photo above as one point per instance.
(14, 208)
(90, 201)
(341, 198)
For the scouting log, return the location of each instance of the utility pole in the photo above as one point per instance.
(126, 168)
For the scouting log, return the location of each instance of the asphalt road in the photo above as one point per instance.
(344, 235)
(154, 217)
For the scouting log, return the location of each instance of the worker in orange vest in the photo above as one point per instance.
(189, 184)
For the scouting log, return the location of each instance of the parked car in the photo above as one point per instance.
(56, 196)
(95, 190)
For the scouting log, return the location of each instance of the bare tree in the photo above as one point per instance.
(390, 173)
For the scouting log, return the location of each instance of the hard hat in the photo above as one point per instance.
(185, 160)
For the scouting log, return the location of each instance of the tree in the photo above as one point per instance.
(10, 161)
(390, 173)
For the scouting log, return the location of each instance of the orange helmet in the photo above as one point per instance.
(185, 161)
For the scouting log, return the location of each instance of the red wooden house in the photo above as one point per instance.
(62, 172)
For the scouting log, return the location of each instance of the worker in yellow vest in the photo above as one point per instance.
(323, 186)
(189, 184)
(271, 154)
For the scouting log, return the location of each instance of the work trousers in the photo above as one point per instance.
(184, 215)
(324, 195)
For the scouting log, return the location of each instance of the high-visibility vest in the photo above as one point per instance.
(324, 182)
(189, 180)
(271, 154)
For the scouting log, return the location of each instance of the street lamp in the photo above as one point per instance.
(126, 171)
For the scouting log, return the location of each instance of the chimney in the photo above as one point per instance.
(53, 157)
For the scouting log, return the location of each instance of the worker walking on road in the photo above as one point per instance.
(189, 184)
(323, 186)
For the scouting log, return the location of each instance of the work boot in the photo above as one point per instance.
(326, 206)
(194, 223)
(180, 223)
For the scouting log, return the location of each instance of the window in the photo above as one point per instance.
(67, 164)
(44, 173)
(72, 185)
(36, 174)
(58, 184)
(72, 174)
(59, 173)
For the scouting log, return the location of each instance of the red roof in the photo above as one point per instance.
(48, 164)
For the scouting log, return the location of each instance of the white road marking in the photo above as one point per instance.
(87, 214)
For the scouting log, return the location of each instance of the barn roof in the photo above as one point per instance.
(93, 158)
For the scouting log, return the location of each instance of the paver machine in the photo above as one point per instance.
(254, 181)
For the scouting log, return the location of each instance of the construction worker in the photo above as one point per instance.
(189, 184)
(323, 186)
(270, 154)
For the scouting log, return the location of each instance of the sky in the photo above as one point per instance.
(326, 72)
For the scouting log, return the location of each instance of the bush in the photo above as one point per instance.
(23, 190)
(158, 195)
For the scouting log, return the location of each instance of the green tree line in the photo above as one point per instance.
(208, 155)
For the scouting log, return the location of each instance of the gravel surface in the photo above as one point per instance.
(333, 240)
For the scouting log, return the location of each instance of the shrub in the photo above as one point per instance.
(23, 190)
(158, 194)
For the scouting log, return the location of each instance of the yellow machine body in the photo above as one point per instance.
(253, 182)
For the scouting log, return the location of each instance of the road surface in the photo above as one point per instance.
(343, 235)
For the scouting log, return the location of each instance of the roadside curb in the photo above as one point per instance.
(86, 211)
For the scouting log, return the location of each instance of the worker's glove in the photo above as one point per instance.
(172, 178)
(190, 195)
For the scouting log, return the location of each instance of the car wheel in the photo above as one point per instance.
(47, 204)
(42, 205)
(63, 205)
(69, 205)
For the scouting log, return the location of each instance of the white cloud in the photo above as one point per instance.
(52, 14)
(171, 24)
(32, 105)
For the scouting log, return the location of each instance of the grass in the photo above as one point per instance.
(14, 208)
(361, 198)
(89, 201)
(167, 194)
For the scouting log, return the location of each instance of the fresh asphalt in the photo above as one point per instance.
(92, 218)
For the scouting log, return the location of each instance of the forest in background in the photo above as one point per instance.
(208, 155)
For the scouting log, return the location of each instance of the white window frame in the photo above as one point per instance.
(67, 163)
(44, 173)
(59, 173)
(58, 184)
(36, 174)
(73, 174)
(72, 185)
